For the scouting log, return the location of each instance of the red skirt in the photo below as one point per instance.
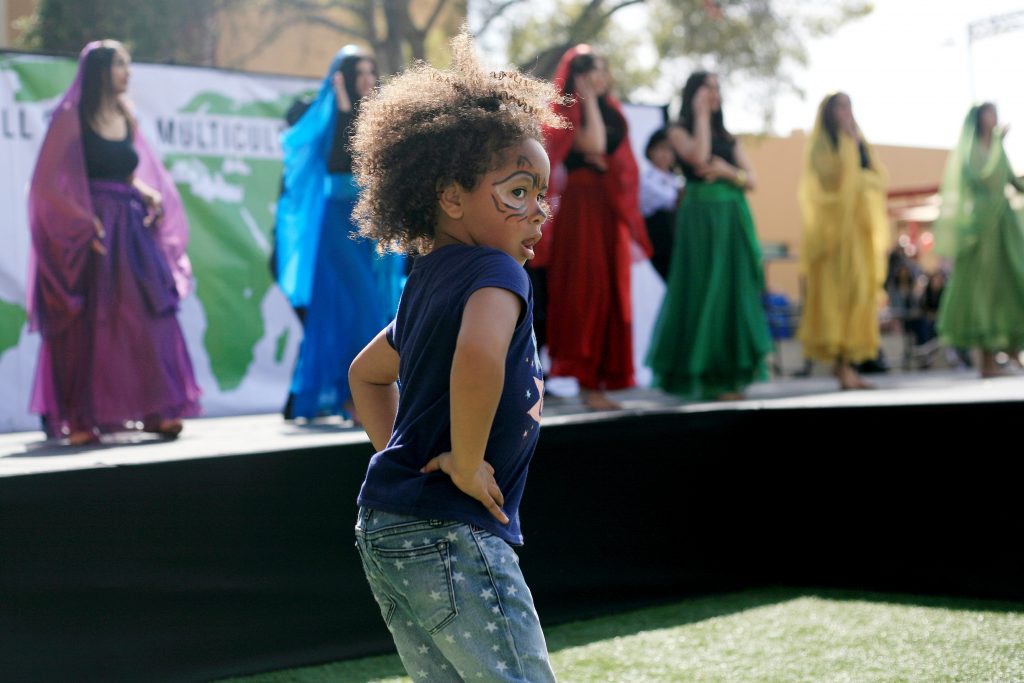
(590, 334)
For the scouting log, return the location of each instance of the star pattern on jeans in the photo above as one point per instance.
(476, 594)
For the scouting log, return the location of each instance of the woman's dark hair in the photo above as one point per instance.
(693, 84)
(348, 68)
(828, 118)
(657, 137)
(581, 64)
(96, 81)
(977, 116)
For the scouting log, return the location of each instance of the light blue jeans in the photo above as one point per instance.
(454, 599)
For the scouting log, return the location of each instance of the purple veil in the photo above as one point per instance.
(61, 215)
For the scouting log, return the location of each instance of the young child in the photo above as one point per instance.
(659, 197)
(452, 169)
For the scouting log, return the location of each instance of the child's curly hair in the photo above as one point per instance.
(427, 128)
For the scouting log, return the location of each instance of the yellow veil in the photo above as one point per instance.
(838, 198)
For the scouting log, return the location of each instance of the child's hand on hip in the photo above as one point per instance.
(478, 483)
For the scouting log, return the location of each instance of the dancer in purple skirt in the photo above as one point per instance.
(108, 267)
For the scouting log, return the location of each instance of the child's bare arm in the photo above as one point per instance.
(477, 380)
(372, 378)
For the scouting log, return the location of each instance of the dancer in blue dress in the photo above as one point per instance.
(345, 289)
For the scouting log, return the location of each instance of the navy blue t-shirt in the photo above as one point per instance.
(424, 333)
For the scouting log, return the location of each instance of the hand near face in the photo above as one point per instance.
(340, 93)
(850, 127)
(702, 101)
(584, 87)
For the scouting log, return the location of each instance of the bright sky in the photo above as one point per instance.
(906, 68)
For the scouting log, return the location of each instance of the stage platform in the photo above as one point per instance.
(25, 453)
(229, 550)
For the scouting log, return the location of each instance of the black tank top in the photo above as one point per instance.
(108, 159)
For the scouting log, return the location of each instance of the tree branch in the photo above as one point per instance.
(265, 40)
(625, 3)
(496, 13)
(277, 29)
(431, 19)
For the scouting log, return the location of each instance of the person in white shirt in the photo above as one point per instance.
(660, 192)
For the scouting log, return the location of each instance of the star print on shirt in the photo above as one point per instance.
(537, 407)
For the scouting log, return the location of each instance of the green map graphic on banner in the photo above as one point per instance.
(40, 80)
(12, 319)
(230, 202)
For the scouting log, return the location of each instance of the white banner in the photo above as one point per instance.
(217, 132)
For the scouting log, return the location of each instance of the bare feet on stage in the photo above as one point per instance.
(169, 429)
(848, 378)
(991, 369)
(598, 400)
(83, 437)
(731, 396)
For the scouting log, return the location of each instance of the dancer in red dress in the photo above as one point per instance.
(589, 251)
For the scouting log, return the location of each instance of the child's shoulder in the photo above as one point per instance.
(468, 267)
(470, 259)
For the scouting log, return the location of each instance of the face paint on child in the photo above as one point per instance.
(507, 208)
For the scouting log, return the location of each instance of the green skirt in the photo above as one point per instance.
(983, 303)
(712, 335)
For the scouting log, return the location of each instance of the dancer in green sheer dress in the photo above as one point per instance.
(983, 305)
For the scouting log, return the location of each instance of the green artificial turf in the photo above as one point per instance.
(765, 636)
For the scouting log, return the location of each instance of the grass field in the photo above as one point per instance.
(765, 636)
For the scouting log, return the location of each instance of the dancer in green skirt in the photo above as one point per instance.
(983, 305)
(711, 338)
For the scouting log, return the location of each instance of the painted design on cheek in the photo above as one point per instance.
(515, 212)
(515, 208)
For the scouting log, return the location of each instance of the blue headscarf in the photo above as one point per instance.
(306, 147)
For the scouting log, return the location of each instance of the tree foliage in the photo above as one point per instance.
(759, 41)
(176, 31)
(187, 31)
(397, 31)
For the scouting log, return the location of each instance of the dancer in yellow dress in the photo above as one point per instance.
(846, 239)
